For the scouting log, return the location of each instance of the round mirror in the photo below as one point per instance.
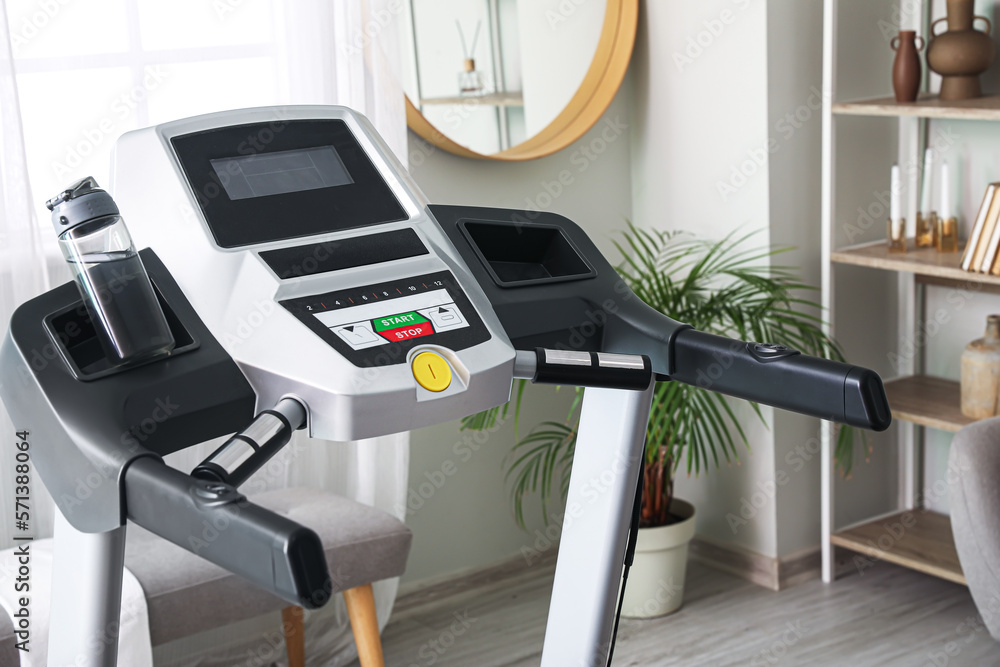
(513, 79)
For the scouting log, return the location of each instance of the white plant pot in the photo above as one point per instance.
(656, 580)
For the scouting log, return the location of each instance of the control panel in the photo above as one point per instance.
(376, 325)
(311, 255)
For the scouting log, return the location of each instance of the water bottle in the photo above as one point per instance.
(107, 269)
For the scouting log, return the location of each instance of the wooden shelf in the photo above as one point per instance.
(511, 99)
(928, 401)
(980, 108)
(921, 261)
(916, 539)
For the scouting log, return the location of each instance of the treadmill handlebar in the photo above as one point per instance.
(585, 369)
(246, 452)
(781, 377)
(215, 521)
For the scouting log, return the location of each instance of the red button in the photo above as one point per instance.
(405, 333)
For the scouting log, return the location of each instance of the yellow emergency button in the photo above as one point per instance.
(431, 371)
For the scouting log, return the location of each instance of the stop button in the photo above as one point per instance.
(431, 371)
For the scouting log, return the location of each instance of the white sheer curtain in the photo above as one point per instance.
(322, 52)
(22, 270)
(347, 53)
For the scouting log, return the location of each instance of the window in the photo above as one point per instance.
(90, 71)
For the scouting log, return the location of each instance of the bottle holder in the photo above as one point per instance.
(73, 336)
(517, 255)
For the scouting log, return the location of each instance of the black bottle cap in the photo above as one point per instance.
(79, 203)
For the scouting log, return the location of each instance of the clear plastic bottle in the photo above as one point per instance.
(109, 273)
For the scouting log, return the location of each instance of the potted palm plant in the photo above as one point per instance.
(726, 287)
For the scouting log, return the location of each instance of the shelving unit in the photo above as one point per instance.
(922, 399)
(509, 99)
(923, 262)
(927, 401)
(928, 106)
(924, 543)
(918, 400)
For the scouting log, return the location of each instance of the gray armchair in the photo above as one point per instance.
(186, 595)
(974, 483)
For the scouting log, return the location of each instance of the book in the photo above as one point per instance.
(977, 228)
(996, 265)
(986, 236)
(991, 250)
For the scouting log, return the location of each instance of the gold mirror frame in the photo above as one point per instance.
(592, 98)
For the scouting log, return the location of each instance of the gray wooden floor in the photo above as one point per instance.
(889, 616)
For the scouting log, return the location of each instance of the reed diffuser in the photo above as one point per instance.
(470, 80)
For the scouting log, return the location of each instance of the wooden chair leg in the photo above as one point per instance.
(293, 624)
(361, 609)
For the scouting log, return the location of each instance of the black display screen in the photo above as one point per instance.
(268, 174)
(280, 180)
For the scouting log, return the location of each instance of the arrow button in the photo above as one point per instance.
(445, 317)
(358, 335)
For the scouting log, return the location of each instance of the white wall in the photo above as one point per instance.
(467, 522)
(700, 110)
(560, 34)
(727, 136)
(795, 78)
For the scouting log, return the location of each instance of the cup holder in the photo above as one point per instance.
(517, 255)
(74, 337)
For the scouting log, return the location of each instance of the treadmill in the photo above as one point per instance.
(309, 284)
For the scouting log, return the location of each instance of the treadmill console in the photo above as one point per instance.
(314, 259)
(374, 325)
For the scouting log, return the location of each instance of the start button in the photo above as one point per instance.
(431, 371)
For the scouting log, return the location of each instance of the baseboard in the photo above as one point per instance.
(767, 571)
(799, 567)
(418, 593)
(773, 573)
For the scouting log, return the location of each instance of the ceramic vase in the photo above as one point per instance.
(981, 373)
(906, 66)
(961, 53)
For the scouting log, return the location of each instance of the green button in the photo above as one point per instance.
(396, 321)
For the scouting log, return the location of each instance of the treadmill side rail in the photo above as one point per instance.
(86, 596)
(595, 527)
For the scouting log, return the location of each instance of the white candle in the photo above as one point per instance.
(945, 192)
(894, 191)
(925, 194)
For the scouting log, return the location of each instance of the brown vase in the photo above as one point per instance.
(981, 373)
(906, 67)
(961, 53)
